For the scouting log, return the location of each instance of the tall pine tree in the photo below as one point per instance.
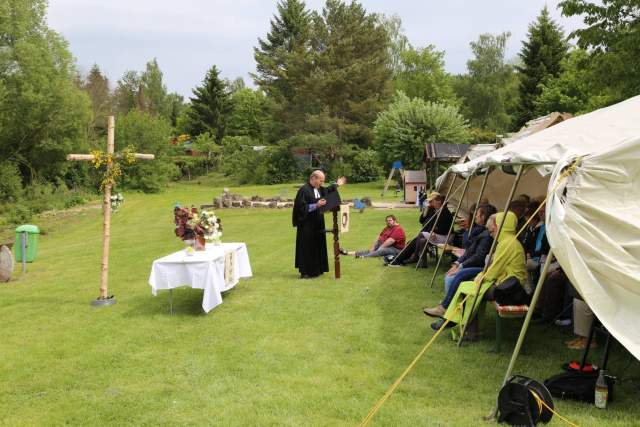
(351, 80)
(541, 56)
(96, 85)
(210, 107)
(283, 65)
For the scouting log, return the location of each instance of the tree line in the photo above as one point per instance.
(341, 88)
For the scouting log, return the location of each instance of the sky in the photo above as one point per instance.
(187, 37)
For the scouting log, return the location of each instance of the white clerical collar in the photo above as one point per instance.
(316, 193)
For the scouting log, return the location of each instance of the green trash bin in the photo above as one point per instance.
(31, 233)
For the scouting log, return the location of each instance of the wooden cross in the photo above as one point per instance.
(104, 299)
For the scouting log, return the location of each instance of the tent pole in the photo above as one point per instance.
(433, 227)
(484, 184)
(525, 325)
(464, 192)
(494, 244)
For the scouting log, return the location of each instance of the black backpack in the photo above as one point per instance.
(510, 292)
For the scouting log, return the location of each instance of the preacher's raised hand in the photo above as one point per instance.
(341, 181)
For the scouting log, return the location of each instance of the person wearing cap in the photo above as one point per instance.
(436, 203)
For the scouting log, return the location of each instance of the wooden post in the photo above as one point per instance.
(106, 210)
(336, 243)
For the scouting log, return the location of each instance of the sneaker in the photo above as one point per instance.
(563, 322)
(437, 311)
(438, 324)
(343, 251)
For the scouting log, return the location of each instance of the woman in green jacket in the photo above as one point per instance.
(508, 260)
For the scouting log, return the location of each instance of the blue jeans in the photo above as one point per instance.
(451, 283)
(389, 250)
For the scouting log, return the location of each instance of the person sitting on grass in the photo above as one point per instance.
(470, 263)
(390, 241)
(508, 261)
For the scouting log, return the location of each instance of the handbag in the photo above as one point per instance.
(510, 292)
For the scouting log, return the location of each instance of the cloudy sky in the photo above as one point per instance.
(188, 36)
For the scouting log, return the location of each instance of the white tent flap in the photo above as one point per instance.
(593, 226)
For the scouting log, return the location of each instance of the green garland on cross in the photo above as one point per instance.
(101, 160)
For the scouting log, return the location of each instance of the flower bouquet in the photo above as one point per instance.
(116, 201)
(212, 227)
(194, 229)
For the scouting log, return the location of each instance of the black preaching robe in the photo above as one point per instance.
(311, 241)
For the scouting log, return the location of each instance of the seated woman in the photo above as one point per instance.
(470, 263)
(440, 230)
(508, 261)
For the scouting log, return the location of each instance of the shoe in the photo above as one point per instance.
(581, 344)
(359, 256)
(563, 322)
(343, 252)
(438, 324)
(437, 311)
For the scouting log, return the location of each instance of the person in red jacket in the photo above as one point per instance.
(390, 241)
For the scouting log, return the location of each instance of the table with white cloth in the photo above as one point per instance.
(216, 269)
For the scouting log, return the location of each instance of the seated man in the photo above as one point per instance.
(390, 241)
(508, 261)
(470, 263)
(427, 218)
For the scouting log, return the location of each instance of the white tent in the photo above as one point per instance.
(581, 135)
(593, 226)
(593, 215)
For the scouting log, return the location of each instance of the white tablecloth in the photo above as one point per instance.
(202, 270)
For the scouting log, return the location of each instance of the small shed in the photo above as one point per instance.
(414, 182)
(437, 153)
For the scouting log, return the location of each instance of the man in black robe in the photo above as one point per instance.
(311, 242)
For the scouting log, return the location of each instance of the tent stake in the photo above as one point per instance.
(433, 227)
(525, 325)
(493, 246)
(464, 192)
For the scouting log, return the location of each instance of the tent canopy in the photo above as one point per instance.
(582, 135)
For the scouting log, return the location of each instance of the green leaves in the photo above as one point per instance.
(402, 131)
(43, 114)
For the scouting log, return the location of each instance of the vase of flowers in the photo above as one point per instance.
(197, 229)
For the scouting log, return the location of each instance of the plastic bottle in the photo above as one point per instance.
(602, 391)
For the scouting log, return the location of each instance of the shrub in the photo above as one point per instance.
(10, 183)
(365, 167)
(408, 124)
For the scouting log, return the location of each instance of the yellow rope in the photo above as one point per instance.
(542, 403)
(397, 382)
(570, 169)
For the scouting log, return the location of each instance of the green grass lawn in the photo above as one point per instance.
(278, 351)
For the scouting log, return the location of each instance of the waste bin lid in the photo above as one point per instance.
(28, 228)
